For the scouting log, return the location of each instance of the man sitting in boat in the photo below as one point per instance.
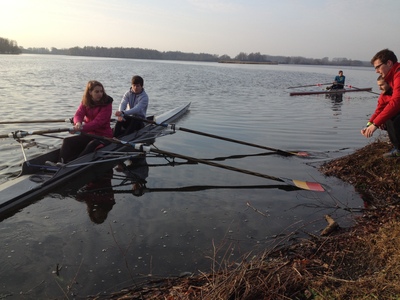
(338, 83)
(132, 108)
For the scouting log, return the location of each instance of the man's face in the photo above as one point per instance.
(382, 68)
(383, 86)
(136, 88)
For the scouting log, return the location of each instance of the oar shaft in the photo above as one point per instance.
(21, 134)
(174, 127)
(69, 120)
(145, 148)
(317, 84)
(354, 87)
(314, 186)
(233, 140)
(36, 121)
(210, 163)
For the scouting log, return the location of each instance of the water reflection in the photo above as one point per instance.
(99, 197)
(337, 102)
(129, 177)
(99, 192)
(134, 173)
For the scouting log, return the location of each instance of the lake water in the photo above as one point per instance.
(166, 232)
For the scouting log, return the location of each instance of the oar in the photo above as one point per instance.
(353, 87)
(69, 120)
(174, 127)
(313, 186)
(318, 84)
(305, 185)
(21, 134)
(37, 121)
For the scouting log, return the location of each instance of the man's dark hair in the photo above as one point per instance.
(384, 56)
(137, 80)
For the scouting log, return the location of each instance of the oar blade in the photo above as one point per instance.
(302, 154)
(307, 185)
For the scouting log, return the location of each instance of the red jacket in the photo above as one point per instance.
(393, 106)
(97, 119)
(383, 100)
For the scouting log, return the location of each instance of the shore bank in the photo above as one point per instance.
(362, 262)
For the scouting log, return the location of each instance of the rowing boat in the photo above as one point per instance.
(37, 179)
(328, 92)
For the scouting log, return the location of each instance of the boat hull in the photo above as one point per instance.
(36, 179)
(328, 92)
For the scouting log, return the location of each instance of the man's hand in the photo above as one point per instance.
(369, 131)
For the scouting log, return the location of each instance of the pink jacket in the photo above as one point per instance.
(96, 119)
(393, 106)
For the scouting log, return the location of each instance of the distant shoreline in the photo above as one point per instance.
(247, 62)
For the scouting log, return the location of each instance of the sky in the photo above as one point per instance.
(352, 29)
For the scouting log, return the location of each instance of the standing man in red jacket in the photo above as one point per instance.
(386, 64)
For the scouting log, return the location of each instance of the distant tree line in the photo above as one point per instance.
(119, 52)
(9, 47)
(140, 53)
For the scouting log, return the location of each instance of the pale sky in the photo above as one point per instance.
(354, 29)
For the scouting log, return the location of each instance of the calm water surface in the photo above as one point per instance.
(165, 232)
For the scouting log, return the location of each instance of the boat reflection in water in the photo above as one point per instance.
(335, 97)
(337, 101)
(130, 177)
(134, 172)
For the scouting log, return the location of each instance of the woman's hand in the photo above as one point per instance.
(77, 127)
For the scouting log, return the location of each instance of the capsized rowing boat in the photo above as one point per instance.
(341, 91)
(37, 179)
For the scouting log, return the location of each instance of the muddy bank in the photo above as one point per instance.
(362, 262)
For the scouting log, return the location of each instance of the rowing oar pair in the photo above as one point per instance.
(174, 127)
(305, 185)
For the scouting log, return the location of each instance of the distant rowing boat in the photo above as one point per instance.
(341, 91)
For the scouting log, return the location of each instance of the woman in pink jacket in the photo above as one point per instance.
(93, 117)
